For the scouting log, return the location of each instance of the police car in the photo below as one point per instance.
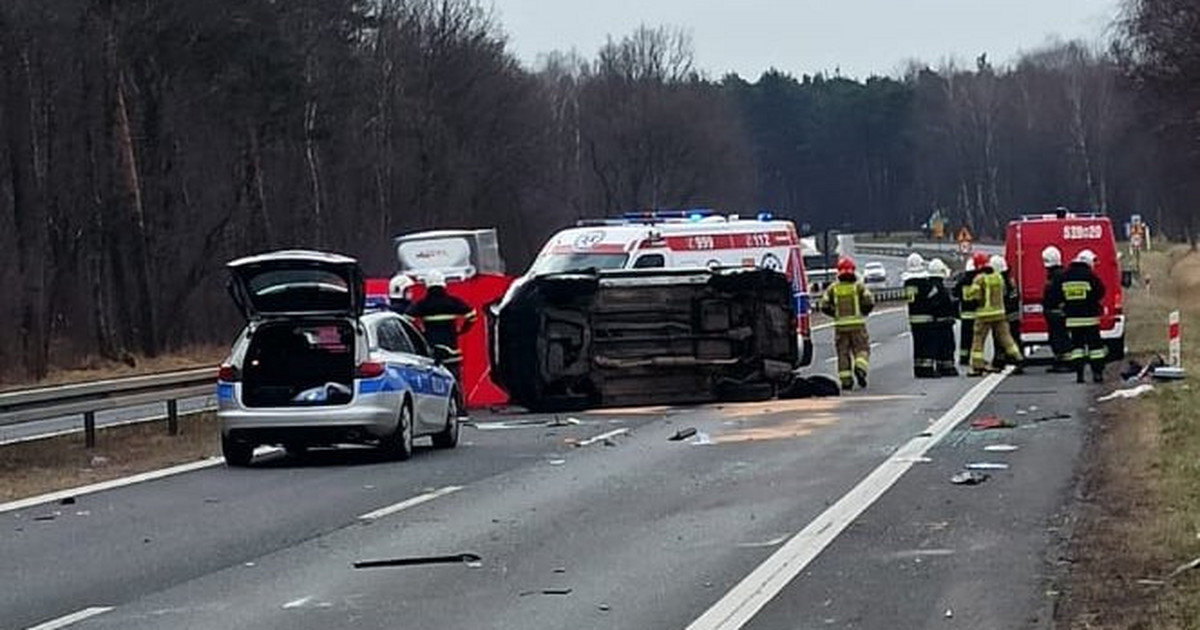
(685, 239)
(312, 368)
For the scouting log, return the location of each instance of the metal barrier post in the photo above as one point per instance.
(173, 417)
(89, 429)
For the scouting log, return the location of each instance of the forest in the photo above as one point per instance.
(143, 144)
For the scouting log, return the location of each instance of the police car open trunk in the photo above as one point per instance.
(615, 338)
(301, 309)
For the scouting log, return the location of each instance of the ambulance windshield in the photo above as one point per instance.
(577, 261)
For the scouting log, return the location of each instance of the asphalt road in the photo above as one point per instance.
(629, 531)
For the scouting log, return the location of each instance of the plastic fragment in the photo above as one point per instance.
(969, 478)
(987, 466)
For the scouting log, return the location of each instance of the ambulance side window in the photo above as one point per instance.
(650, 261)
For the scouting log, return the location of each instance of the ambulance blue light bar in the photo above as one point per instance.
(695, 214)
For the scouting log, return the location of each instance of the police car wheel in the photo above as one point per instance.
(448, 437)
(236, 452)
(399, 445)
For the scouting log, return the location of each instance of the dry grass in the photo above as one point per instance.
(95, 368)
(1141, 515)
(36, 467)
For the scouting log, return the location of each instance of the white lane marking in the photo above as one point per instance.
(743, 602)
(603, 436)
(296, 603)
(409, 503)
(152, 475)
(890, 311)
(74, 617)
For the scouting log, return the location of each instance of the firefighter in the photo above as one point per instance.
(849, 303)
(918, 291)
(1012, 304)
(966, 313)
(988, 290)
(943, 317)
(398, 293)
(1078, 293)
(440, 315)
(1056, 322)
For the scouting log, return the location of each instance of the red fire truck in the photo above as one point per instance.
(1071, 234)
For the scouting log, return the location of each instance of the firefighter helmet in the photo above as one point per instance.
(1052, 257)
(938, 269)
(435, 278)
(399, 285)
(981, 260)
(915, 264)
(998, 263)
(1087, 257)
(846, 266)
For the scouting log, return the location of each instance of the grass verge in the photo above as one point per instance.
(1139, 517)
(40, 466)
(94, 368)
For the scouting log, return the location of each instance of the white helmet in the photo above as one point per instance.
(435, 278)
(999, 263)
(1087, 257)
(938, 269)
(915, 264)
(1051, 257)
(399, 285)
(970, 264)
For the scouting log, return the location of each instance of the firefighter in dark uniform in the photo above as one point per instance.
(849, 303)
(443, 317)
(966, 313)
(943, 318)
(1056, 322)
(918, 290)
(1078, 293)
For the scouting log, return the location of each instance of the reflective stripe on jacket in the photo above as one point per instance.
(988, 288)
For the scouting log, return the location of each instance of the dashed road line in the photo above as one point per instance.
(75, 617)
(757, 589)
(890, 311)
(408, 503)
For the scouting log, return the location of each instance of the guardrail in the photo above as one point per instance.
(31, 405)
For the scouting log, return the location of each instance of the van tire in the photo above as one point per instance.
(1116, 349)
(237, 453)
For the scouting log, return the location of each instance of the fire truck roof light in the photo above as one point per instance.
(765, 216)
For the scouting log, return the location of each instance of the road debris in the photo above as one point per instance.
(1167, 373)
(1126, 394)
(987, 466)
(702, 439)
(949, 613)
(969, 478)
(67, 501)
(563, 422)
(1001, 448)
(1150, 582)
(1185, 567)
(46, 517)
(463, 558)
(1056, 416)
(683, 434)
(603, 607)
(602, 437)
(988, 423)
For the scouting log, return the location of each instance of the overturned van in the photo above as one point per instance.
(615, 338)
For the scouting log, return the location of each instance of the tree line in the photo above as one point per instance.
(144, 144)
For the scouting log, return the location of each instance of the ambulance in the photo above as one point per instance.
(686, 239)
(1071, 234)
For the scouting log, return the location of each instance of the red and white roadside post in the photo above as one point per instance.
(1174, 341)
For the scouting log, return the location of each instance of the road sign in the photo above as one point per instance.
(964, 235)
(1174, 340)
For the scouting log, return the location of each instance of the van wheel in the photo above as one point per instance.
(399, 445)
(448, 437)
(237, 453)
(1116, 349)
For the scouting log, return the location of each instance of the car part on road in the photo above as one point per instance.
(683, 434)
(462, 558)
(987, 466)
(987, 423)
(1126, 394)
(969, 478)
(576, 340)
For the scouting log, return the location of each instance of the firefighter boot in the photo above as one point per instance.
(861, 375)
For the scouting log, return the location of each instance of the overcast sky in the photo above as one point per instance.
(859, 37)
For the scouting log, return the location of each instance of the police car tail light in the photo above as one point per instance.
(228, 374)
(370, 369)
